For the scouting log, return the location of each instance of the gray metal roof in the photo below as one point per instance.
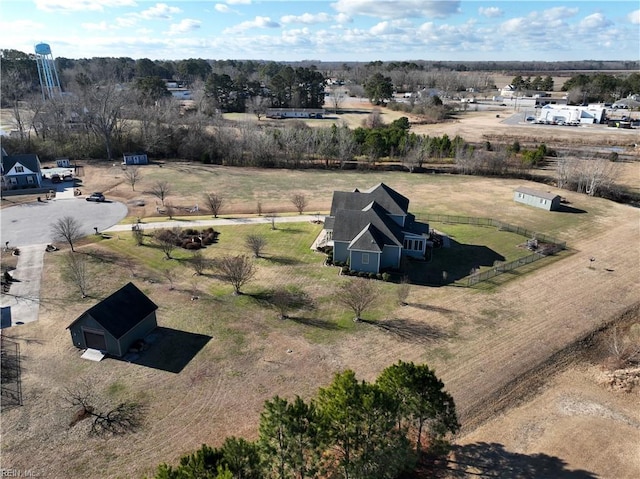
(538, 194)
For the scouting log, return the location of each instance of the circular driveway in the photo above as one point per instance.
(32, 223)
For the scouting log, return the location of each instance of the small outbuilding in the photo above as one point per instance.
(115, 323)
(135, 159)
(539, 199)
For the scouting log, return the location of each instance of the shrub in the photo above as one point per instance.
(193, 245)
(386, 277)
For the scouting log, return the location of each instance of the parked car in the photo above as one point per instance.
(96, 196)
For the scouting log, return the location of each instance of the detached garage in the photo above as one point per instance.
(539, 199)
(115, 323)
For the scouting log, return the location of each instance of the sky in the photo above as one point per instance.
(326, 30)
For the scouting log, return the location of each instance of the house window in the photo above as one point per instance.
(19, 169)
(30, 180)
(419, 245)
(13, 181)
(365, 258)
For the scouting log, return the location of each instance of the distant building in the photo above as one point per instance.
(539, 199)
(591, 114)
(135, 159)
(279, 113)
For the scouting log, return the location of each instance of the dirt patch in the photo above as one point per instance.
(568, 410)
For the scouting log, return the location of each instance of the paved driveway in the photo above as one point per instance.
(31, 223)
(28, 227)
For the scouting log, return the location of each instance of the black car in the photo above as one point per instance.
(97, 196)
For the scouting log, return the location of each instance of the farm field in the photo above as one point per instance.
(218, 358)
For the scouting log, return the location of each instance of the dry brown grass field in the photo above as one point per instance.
(478, 340)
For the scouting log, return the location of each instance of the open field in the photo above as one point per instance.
(218, 358)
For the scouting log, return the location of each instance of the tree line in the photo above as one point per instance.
(352, 429)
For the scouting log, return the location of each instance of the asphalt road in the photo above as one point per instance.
(31, 223)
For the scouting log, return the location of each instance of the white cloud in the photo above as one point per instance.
(95, 27)
(559, 13)
(343, 18)
(80, 5)
(634, 17)
(160, 10)
(222, 8)
(126, 22)
(490, 12)
(596, 20)
(258, 22)
(384, 28)
(306, 18)
(185, 26)
(398, 8)
(239, 2)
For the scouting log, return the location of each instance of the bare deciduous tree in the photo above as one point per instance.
(124, 418)
(287, 299)
(258, 106)
(170, 275)
(337, 96)
(170, 210)
(272, 219)
(256, 244)
(300, 202)
(199, 263)
(67, 229)
(214, 202)
(161, 190)
(235, 270)
(75, 270)
(167, 241)
(403, 290)
(358, 294)
(133, 175)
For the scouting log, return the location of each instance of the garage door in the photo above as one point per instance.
(95, 340)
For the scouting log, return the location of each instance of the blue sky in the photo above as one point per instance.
(327, 30)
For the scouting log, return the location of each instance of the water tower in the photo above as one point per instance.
(49, 81)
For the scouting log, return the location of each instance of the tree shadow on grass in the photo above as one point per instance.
(493, 460)
(314, 322)
(283, 260)
(411, 331)
(169, 349)
(428, 307)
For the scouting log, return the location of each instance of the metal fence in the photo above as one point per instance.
(11, 383)
(551, 244)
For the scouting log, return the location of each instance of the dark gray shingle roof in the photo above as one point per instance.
(390, 200)
(30, 160)
(121, 311)
(349, 223)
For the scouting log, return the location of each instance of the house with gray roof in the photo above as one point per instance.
(115, 323)
(372, 229)
(540, 199)
(21, 171)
